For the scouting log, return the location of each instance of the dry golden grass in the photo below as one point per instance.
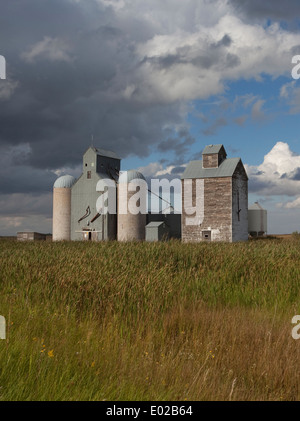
(164, 321)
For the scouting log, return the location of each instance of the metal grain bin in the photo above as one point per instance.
(257, 220)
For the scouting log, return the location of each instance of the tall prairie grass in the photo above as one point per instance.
(149, 321)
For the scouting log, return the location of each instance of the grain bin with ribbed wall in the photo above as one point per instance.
(257, 220)
(61, 228)
(131, 225)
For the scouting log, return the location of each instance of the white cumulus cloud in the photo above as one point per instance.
(279, 173)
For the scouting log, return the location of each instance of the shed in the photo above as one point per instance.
(30, 236)
(156, 231)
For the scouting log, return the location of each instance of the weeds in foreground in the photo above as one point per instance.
(149, 321)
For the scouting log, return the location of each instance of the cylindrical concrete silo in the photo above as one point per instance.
(131, 224)
(257, 220)
(61, 226)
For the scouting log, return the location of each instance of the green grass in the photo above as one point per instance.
(149, 321)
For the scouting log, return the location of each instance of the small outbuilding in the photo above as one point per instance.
(157, 231)
(257, 220)
(30, 236)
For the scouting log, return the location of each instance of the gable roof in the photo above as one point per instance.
(212, 149)
(226, 169)
(155, 224)
(103, 152)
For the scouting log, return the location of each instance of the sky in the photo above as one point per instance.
(154, 81)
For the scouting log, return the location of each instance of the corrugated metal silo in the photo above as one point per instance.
(131, 226)
(257, 220)
(61, 225)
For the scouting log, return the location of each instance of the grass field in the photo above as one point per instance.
(150, 321)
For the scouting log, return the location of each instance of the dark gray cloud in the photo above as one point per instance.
(211, 54)
(232, 60)
(197, 156)
(295, 50)
(71, 69)
(177, 170)
(294, 175)
(178, 145)
(71, 62)
(269, 9)
(24, 205)
(212, 130)
(224, 42)
(16, 176)
(258, 185)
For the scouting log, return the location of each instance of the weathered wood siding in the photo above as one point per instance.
(217, 210)
(210, 160)
(213, 160)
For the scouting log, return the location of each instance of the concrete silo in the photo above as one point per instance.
(61, 228)
(132, 206)
(257, 220)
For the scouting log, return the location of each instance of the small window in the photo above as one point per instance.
(89, 174)
(206, 235)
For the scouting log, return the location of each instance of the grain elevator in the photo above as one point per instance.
(214, 194)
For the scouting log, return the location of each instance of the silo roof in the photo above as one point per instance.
(256, 206)
(65, 181)
(128, 176)
(226, 169)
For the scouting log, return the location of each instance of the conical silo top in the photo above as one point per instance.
(256, 206)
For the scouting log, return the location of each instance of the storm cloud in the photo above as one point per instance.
(70, 66)
(123, 71)
(274, 9)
